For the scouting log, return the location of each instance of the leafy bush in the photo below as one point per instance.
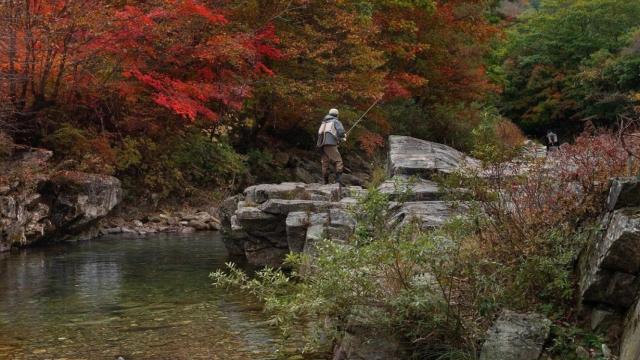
(496, 139)
(90, 152)
(262, 167)
(69, 141)
(391, 281)
(179, 164)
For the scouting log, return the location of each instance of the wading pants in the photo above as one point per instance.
(330, 154)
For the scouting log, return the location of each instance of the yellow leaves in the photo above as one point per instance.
(402, 25)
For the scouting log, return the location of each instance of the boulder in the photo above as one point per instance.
(411, 156)
(516, 336)
(257, 222)
(620, 248)
(624, 192)
(269, 220)
(199, 225)
(609, 288)
(609, 273)
(340, 224)
(77, 199)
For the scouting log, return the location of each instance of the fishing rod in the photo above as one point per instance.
(362, 117)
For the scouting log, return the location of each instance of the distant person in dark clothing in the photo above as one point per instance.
(552, 141)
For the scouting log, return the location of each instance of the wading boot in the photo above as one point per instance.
(325, 179)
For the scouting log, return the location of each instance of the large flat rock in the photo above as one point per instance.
(259, 194)
(283, 207)
(516, 336)
(269, 219)
(410, 189)
(411, 156)
(428, 214)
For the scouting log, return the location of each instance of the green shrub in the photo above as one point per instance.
(69, 141)
(496, 139)
(89, 151)
(261, 166)
(392, 281)
(179, 164)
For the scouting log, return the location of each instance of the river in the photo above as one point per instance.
(126, 296)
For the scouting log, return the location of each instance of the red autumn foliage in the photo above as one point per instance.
(228, 60)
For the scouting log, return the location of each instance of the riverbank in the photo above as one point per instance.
(185, 220)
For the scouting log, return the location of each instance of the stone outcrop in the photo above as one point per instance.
(35, 206)
(609, 269)
(77, 199)
(516, 336)
(610, 274)
(402, 187)
(267, 221)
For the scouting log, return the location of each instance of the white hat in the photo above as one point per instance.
(334, 112)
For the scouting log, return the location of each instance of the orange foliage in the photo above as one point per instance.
(370, 142)
(509, 133)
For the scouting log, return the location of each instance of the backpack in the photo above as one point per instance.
(326, 127)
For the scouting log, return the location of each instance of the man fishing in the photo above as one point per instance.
(330, 134)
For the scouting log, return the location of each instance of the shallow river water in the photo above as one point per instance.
(135, 297)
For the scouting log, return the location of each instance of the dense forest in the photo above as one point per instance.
(173, 94)
(183, 99)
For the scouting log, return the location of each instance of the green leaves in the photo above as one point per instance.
(551, 54)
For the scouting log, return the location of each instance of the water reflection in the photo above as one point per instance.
(140, 298)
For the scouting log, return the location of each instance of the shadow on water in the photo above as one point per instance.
(137, 297)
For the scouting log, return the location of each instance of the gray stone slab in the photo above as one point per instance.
(516, 336)
(283, 207)
(410, 189)
(429, 214)
(411, 156)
